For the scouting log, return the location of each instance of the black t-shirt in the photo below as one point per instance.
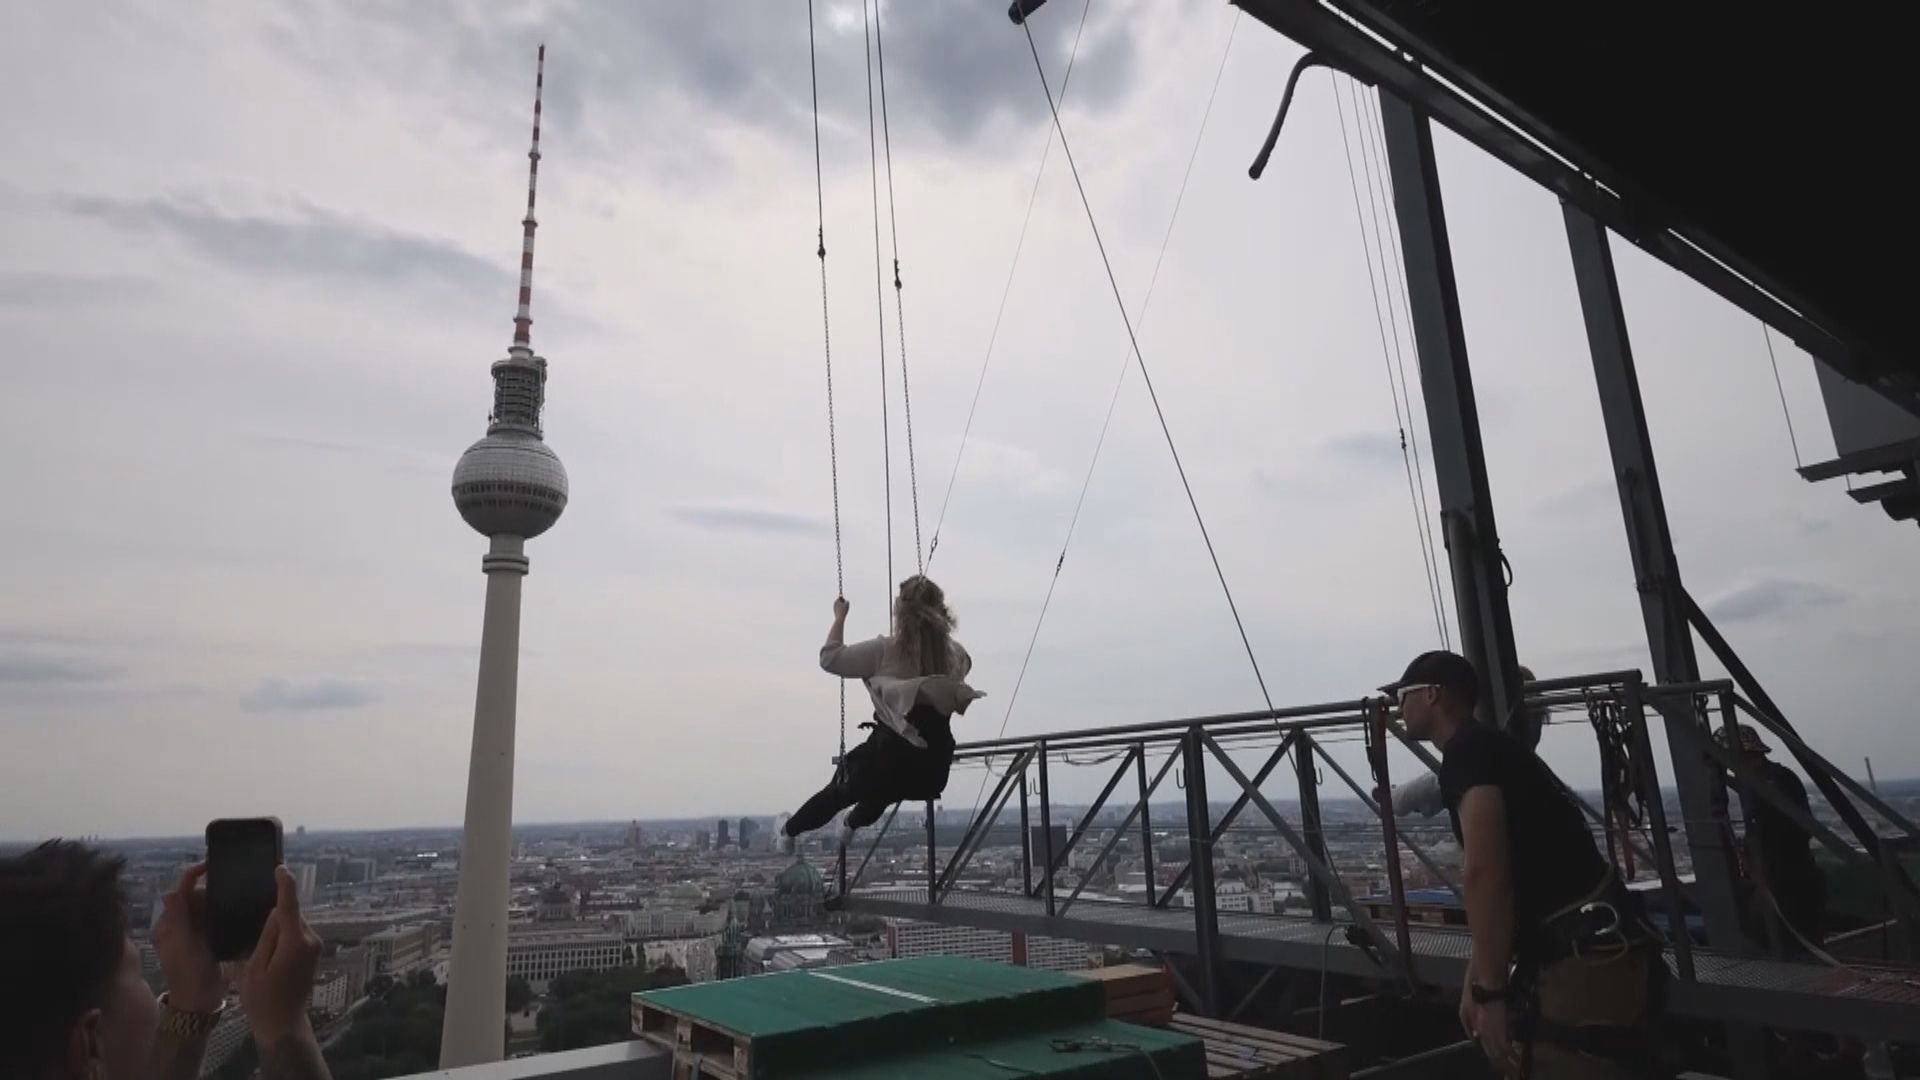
(1552, 854)
(1782, 843)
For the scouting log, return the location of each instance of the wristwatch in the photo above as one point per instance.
(187, 1025)
(1483, 995)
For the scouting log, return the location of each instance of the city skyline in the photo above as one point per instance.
(258, 317)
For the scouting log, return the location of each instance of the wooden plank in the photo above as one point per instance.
(1246, 1031)
(1284, 1049)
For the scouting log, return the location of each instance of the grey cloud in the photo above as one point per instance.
(1771, 597)
(743, 519)
(953, 67)
(279, 695)
(309, 243)
(53, 671)
(40, 289)
(1381, 451)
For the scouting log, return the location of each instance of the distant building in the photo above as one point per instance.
(730, 953)
(354, 965)
(673, 922)
(332, 992)
(798, 952)
(357, 871)
(720, 835)
(695, 956)
(556, 905)
(799, 899)
(702, 840)
(539, 953)
(399, 950)
(907, 938)
(306, 878)
(748, 832)
(636, 837)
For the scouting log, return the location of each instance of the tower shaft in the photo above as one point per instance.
(477, 973)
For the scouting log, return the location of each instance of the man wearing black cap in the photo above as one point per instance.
(1560, 980)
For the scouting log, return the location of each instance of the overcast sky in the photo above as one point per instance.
(260, 258)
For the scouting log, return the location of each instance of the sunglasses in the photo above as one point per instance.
(1404, 692)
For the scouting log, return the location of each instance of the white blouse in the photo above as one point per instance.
(895, 683)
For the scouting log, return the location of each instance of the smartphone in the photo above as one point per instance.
(241, 892)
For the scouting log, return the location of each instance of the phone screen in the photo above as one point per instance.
(241, 855)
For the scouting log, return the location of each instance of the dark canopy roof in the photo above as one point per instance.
(1757, 148)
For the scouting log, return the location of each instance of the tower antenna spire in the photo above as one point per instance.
(523, 319)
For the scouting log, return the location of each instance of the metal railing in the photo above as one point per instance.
(1144, 755)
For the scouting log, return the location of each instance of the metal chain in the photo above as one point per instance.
(826, 337)
(899, 305)
(879, 306)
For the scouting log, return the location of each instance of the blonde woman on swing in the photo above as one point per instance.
(916, 678)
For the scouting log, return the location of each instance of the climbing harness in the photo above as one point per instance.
(1622, 803)
(1604, 927)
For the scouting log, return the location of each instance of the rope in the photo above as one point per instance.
(879, 307)
(1781, 387)
(899, 305)
(826, 337)
(1379, 141)
(1006, 290)
(1386, 359)
(1113, 400)
(1146, 376)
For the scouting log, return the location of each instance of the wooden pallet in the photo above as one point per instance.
(699, 1048)
(1418, 914)
(1136, 993)
(1237, 1050)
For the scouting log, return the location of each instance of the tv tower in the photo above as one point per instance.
(511, 488)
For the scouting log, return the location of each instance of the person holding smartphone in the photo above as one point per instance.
(74, 1006)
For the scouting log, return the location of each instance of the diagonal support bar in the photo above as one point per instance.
(1751, 781)
(978, 828)
(1099, 804)
(1219, 831)
(1139, 809)
(1366, 800)
(1808, 755)
(1335, 887)
(871, 848)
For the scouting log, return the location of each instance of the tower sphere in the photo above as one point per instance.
(510, 483)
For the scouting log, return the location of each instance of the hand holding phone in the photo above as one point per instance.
(241, 891)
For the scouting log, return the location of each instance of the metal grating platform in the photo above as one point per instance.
(1867, 1004)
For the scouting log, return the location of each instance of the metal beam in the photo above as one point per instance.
(1316, 867)
(1341, 43)
(1453, 418)
(1310, 821)
(1140, 807)
(1046, 826)
(1656, 572)
(1219, 828)
(871, 848)
(1206, 918)
(1367, 801)
(978, 828)
(1086, 822)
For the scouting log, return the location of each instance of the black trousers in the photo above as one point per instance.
(883, 770)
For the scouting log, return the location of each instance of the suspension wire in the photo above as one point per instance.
(826, 337)
(1146, 377)
(1781, 387)
(899, 305)
(1126, 364)
(1046, 148)
(879, 306)
(1386, 360)
(1445, 582)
